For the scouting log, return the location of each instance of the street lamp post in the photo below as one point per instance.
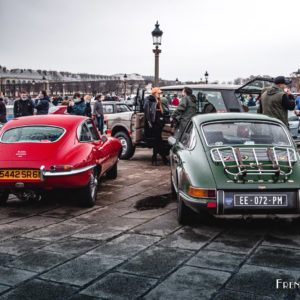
(125, 86)
(176, 81)
(206, 77)
(156, 35)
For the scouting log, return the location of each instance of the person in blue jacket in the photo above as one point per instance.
(77, 106)
(42, 103)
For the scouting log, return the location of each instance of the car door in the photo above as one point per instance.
(183, 144)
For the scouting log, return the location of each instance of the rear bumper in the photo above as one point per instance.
(224, 209)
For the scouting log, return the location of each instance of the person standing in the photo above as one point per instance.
(277, 100)
(77, 106)
(154, 124)
(186, 109)
(24, 106)
(87, 101)
(175, 101)
(42, 103)
(2, 109)
(98, 113)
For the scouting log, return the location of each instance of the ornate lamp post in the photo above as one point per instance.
(125, 86)
(156, 35)
(206, 77)
(177, 81)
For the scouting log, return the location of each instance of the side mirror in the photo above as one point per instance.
(172, 141)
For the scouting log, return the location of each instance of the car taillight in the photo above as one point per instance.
(61, 168)
(202, 193)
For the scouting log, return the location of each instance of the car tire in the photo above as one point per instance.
(4, 194)
(184, 214)
(127, 147)
(132, 152)
(88, 194)
(113, 172)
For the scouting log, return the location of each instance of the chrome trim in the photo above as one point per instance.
(67, 173)
(43, 125)
(42, 170)
(175, 187)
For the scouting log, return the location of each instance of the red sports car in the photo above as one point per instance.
(42, 153)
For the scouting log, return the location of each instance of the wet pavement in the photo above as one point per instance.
(130, 246)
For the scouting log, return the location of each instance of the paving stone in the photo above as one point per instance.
(189, 283)
(284, 238)
(190, 238)
(233, 295)
(120, 286)
(125, 246)
(156, 261)
(216, 260)
(19, 246)
(147, 214)
(68, 211)
(55, 232)
(234, 242)
(71, 245)
(81, 270)
(160, 226)
(262, 281)
(276, 257)
(83, 297)
(39, 261)
(39, 290)
(12, 276)
(6, 258)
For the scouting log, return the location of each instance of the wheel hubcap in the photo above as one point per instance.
(124, 145)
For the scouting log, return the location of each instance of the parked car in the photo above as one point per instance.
(41, 153)
(229, 165)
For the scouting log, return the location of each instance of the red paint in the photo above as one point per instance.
(211, 204)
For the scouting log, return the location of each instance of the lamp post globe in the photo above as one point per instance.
(156, 36)
(206, 77)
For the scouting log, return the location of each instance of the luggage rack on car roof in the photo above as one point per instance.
(256, 161)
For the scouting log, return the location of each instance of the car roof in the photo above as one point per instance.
(203, 118)
(202, 86)
(65, 121)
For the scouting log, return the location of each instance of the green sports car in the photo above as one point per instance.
(235, 165)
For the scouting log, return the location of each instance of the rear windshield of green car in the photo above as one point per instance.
(245, 133)
(32, 134)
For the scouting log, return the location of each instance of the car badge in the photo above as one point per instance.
(228, 201)
(227, 157)
(262, 187)
(282, 157)
(21, 153)
(245, 157)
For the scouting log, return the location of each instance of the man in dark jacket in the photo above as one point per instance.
(2, 109)
(23, 107)
(98, 113)
(186, 109)
(42, 103)
(77, 106)
(277, 100)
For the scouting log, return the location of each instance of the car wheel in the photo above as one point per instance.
(184, 214)
(4, 196)
(127, 146)
(132, 152)
(113, 172)
(88, 194)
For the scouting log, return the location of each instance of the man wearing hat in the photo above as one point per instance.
(277, 100)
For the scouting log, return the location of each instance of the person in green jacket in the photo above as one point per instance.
(77, 106)
(186, 109)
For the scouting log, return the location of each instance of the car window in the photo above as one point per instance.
(85, 135)
(32, 134)
(92, 130)
(245, 133)
(108, 108)
(185, 139)
(209, 101)
(122, 108)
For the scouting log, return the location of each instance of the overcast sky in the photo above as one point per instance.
(229, 39)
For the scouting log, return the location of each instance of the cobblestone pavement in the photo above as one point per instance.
(59, 250)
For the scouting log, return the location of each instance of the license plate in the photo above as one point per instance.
(260, 200)
(7, 174)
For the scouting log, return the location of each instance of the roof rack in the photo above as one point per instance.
(275, 161)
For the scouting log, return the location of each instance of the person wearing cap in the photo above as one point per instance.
(154, 123)
(186, 109)
(277, 100)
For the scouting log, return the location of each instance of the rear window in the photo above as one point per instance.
(245, 133)
(32, 134)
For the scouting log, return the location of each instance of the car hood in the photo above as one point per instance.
(28, 151)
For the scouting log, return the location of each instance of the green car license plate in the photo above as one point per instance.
(264, 200)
